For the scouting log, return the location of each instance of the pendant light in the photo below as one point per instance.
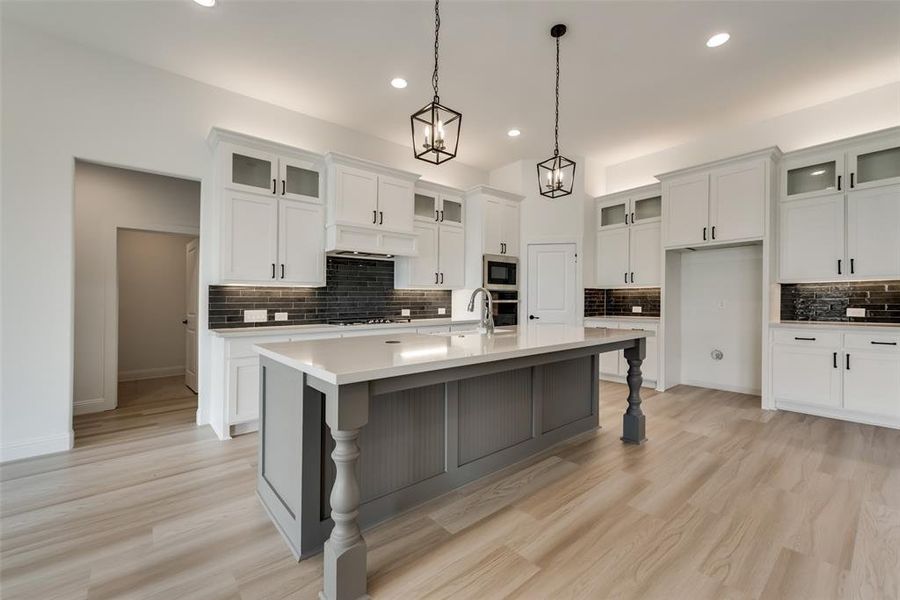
(435, 128)
(556, 175)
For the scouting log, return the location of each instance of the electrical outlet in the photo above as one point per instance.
(442, 311)
(281, 316)
(856, 312)
(256, 316)
(637, 309)
(404, 312)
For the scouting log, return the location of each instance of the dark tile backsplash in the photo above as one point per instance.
(618, 303)
(356, 289)
(829, 301)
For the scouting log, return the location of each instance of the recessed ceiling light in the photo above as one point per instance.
(206, 3)
(513, 133)
(398, 82)
(819, 172)
(717, 40)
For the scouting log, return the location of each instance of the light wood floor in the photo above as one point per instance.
(724, 501)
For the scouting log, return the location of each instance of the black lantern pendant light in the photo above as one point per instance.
(556, 175)
(435, 128)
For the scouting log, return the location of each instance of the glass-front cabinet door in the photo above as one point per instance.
(451, 210)
(874, 164)
(425, 206)
(299, 180)
(613, 214)
(646, 209)
(251, 171)
(813, 175)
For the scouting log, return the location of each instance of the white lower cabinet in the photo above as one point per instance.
(614, 367)
(851, 376)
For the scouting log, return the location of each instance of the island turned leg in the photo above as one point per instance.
(346, 411)
(633, 428)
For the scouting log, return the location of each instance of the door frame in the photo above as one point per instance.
(110, 399)
(579, 272)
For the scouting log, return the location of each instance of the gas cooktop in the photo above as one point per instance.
(345, 322)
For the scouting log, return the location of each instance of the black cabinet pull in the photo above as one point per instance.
(184, 321)
(626, 218)
(442, 216)
(839, 183)
(273, 270)
(502, 247)
(435, 216)
(835, 360)
(884, 343)
(704, 234)
(852, 183)
(381, 217)
(374, 216)
(839, 266)
(852, 267)
(626, 276)
(442, 279)
(632, 277)
(282, 187)
(282, 270)
(274, 186)
(848, 361)
(435, 278)
(713, 232)
(632, 218)
(805, 339)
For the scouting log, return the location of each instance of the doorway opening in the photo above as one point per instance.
(136, 303)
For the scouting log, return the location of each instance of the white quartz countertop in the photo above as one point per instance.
(826, 326)
(342, 361)
(329, 327)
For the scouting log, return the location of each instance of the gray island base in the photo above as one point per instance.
(353, 431)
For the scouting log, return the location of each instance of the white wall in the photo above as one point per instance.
(108, 199)
(61, 101)
(152, 293)
(721, 308)
(860, 113)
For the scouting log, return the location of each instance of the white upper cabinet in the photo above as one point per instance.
(686, 212)
(355, 196)
(510, 227)
(299, 180)
(395, 203)
(423, 268)
(873, 233)
(874, 163)
(451, 257)
(737, 203)
(250, 170)
(812, 175)
(250, 237)
(628, 238)
(811, 233)
(721, 203)
(301, 243)
(501, 226)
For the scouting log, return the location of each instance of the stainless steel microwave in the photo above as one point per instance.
(501, 272)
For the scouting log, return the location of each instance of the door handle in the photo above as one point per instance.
(282, 270)
(381, 217)
(704, 234)
(532, 317)
(374, 216)
(184, 322)
(835, 359)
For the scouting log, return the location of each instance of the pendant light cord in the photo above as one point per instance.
(556, 124)
(437, 29)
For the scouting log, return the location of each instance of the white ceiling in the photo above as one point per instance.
(636, 76)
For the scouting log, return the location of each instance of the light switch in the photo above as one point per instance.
(256, 316)
(637, 309)
(856, 312)
(404, 312)
(281, 316)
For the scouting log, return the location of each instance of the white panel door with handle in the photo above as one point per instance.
(192, 276)
(552, 283)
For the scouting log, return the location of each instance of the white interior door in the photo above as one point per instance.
(191, 261)
(551, 283)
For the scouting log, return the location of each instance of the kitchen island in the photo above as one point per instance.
(407, 417)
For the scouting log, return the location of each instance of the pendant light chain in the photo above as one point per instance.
(437, 30)
(556, 125)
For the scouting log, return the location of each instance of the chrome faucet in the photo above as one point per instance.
(487, 310)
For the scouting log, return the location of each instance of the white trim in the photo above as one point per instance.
(739, 389)
(92, 405)
(154, 373)
(841, 414)
(492, 191)
(49, 444)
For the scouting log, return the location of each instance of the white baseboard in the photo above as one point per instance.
(140, 374)
(841, 414)
(91, 405)
(723, 387)
(50, 444)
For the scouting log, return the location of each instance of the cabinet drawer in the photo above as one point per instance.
(243, 347)
(597, 323)
(639, 326)
(434, 329)
(807, 337)
(872, 341)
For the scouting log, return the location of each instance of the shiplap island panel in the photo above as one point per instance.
(406, 417)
